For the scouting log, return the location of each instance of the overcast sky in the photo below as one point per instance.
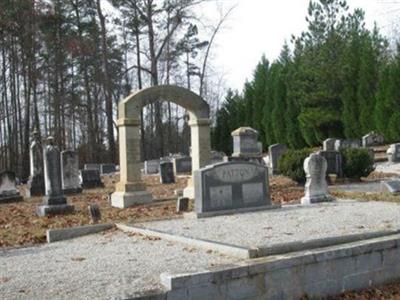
(261, 26)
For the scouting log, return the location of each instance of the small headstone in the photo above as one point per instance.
(94, 212)
(393, 153)
(90, 179)
(151, 166)
(347, 144)
(245, 142)
(392, 186)
(231, 186)
(329, 144)
(107, 169)
(275, 153)
(372, 139)
(8, 188)
(316, 188)
(167, 172)
(54, 202)
(35, 185)
(334, 162)
(182, 204)
(70, 172)
(92, 167)
(182, 164)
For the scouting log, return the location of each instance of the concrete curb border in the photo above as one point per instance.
(236, 251)
(55, 235)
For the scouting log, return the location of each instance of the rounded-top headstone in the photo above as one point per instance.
(316, 188)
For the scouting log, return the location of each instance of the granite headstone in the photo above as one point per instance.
(275, 152)
(245, 143)
(334, 162)
(231, 186)
(182, 164)
(54, 201)
(182, 204)
(107, 169)
(94, 212)
(372, 139)
(70, 172)
(151, 166)
(92, 167)
(35, 185)
(167, 172)
(393, 153)
(90, 179)
(8, 188)
(347, 144)
(329, 144)
(390, 186)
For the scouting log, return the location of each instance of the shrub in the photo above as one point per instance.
(357, 163)
(291, 164)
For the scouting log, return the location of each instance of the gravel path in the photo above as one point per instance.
(289, 224)
(96, 267)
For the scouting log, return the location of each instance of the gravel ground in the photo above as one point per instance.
(367, 187)
(387, 167)
(289, 224)
(101, 266)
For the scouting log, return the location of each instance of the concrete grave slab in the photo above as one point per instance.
(291, 228)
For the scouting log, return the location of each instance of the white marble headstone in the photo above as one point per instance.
(316, 188)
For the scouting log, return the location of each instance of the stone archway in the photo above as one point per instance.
(130, 189)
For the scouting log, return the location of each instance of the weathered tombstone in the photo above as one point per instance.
(182, 204)
(231, 187)
(275, 152)
(316, 188)
(167, 172)
(90, 179)
(94, 212)
(347, 144)
(372, 139)
(92, 167)
(35, 185)
(390, 186)
(8, 188)
(245, 143)
(329, 144)
(107, 168)
(182, 164)
(151, 166)
(70, 172)
(393, 153)
(334, 162)
(54, 202)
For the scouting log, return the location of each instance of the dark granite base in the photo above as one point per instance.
(10, 198)
(46, 210)
(72, 191)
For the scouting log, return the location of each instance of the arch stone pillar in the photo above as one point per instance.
(130, 189)
(201, 149)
